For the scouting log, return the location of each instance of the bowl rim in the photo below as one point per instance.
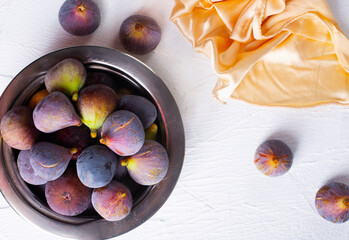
(172, 126)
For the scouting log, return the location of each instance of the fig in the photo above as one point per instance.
(95, 103)
(113, 202)
(139, 34)
(79, 17)
(96, 166)
(55, 112)
(37, 97)
(123, 133)
(142, 107)
(49, 160)
(151, 132)
(149, 165)
(67, 195)
(67, 76)
(332, 202)
(17, 128)
(273, 158)
(72, 137)
(26, 171)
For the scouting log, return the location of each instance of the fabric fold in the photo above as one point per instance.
(270, 52)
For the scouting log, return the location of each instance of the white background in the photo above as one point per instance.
(220, 193)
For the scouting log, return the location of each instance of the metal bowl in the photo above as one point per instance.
(23, 199)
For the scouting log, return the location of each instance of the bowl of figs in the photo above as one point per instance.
(92, 143)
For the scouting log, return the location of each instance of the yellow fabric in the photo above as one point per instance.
(270, 52)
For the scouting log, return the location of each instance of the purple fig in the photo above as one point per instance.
(113, 202)
(123, 133)
(49, 160)
(55, 112)
(139, 34)
(332, 202)
(273, 158)
(17, 128)
(67, 195)
(79, 17)
(149, 165)
(26, 171)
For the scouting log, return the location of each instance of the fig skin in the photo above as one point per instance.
(17, 128)
(67, 76)
(67, 195)
(273, 158)
(26, 171)
(123, 133)
(95, 104)
(79, 17)
(332, 202)
(149, 165)
(49, 161)
(72, 137)
(139, 34)
(96, 166)
(113, 202)
(54, 113)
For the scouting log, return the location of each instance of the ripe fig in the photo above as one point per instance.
(142, 107)
(26, 171)
(49, 160)
(96, 166)
(95, 103)
(332, 202)
(37, 97)
(123, 133)
(139, 34)
(67, 195)
(149, 165)
(55, 112)
(273, 158)
(113, 202)
(79, 17)
(17, 128)
(72, 137)
(67, 76)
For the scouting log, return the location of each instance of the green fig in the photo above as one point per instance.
(67, 76)
(95, 104)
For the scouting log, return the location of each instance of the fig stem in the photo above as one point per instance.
(138, 27)
(73, 151)
(346, 202)
(103, 140)
(124, 162)
(81, 8)
(74, 96)
(93, 133)
(122, 194)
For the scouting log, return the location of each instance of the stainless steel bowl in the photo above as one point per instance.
(28, 205)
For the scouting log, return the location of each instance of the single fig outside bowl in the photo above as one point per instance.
(139, 34)
(79, 17)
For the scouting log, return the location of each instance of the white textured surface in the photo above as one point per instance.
(220, 194)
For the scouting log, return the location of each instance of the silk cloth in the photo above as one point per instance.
(270, 52)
